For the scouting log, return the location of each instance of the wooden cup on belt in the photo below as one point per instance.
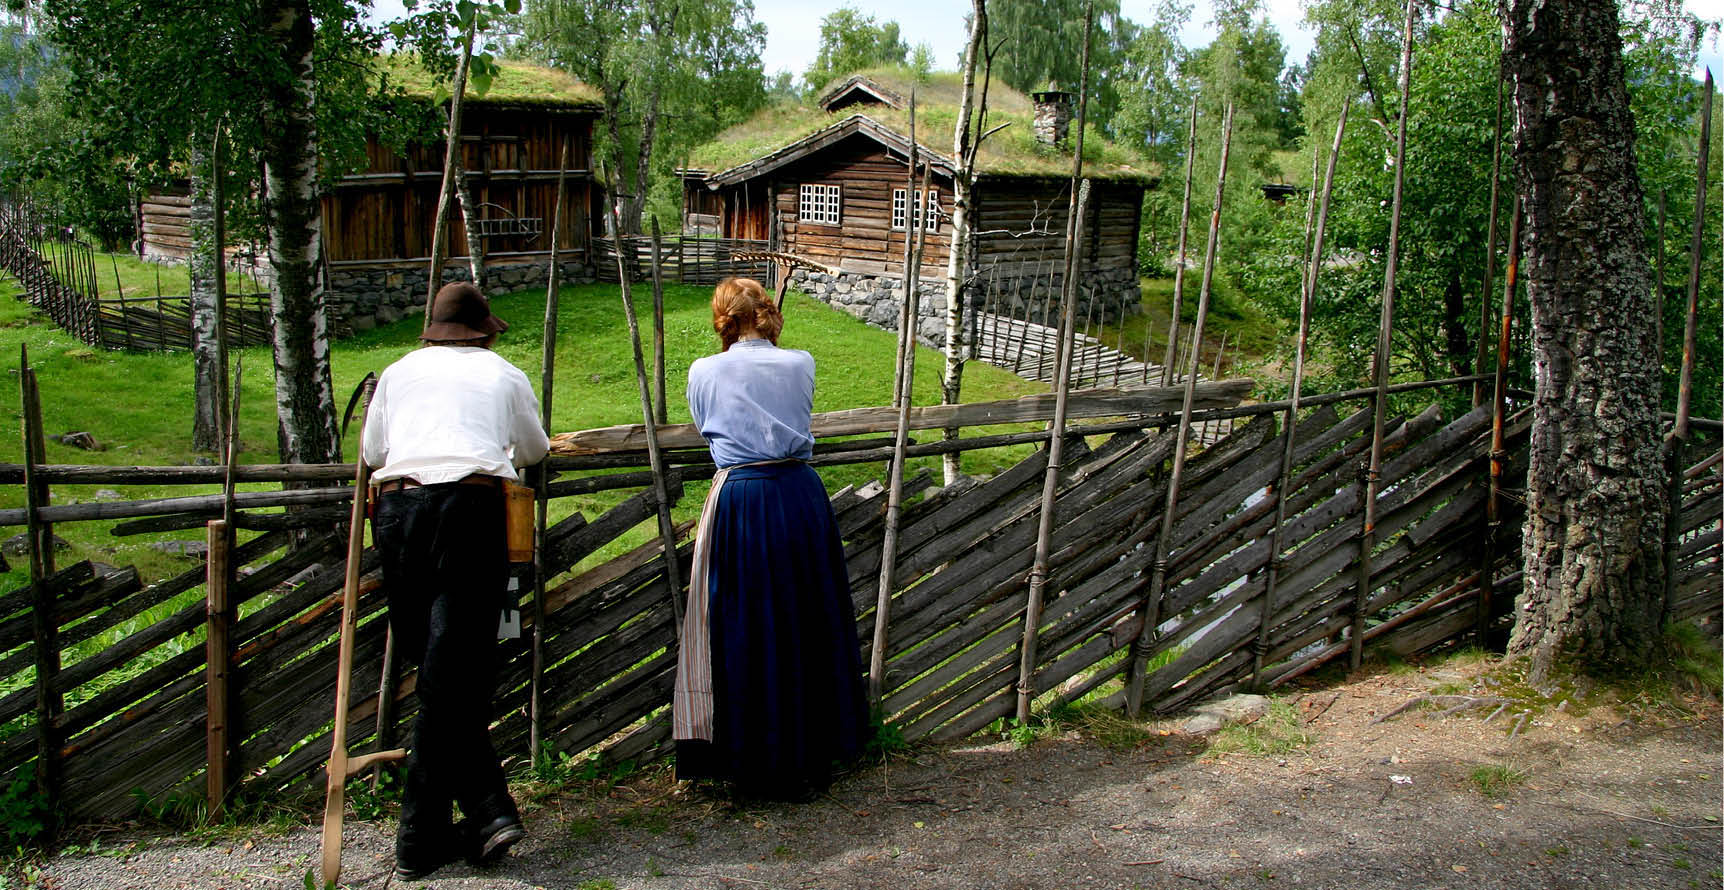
(518, 503)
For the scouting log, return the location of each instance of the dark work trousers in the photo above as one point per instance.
(445, 567)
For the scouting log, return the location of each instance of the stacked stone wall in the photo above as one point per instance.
(362, 298)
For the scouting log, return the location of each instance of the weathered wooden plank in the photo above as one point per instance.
(856, 421)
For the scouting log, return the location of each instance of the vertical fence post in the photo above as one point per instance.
(547, 381)
(1307, 298)
(1380, 364)
(1490, 248)
(218, 653)
(45, 621)
(1678, 441)
(1499, 397)
(1150, 608)
(1168, 361)
(660, 409)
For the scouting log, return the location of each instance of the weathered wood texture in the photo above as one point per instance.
(134, 657)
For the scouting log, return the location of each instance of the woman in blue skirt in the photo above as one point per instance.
(769, 686)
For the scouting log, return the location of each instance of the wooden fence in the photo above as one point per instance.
(58, 273)
(125, 722)
(682, 260)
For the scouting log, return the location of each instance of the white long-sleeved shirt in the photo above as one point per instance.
(441, 413)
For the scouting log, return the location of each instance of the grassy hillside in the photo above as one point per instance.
(139, 405)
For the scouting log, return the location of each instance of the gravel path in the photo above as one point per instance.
(1607, 801)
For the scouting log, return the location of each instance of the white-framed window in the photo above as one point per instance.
(820, 204)
(927, 210)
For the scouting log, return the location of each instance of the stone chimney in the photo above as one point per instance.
(1053, 114)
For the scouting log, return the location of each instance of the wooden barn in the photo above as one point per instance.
(835, 190)
(377, 222)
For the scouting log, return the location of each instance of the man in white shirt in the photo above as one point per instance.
(447, 424)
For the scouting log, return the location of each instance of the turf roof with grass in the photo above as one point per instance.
(516, 83)
(1010, 152)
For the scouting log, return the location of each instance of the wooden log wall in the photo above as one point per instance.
(134, 722)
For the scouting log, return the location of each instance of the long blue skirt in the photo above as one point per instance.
(788, 705)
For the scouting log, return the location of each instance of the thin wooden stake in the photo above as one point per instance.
(1679, 433)
(218, 653)
(906, 374)
(451, 155)
(659, 406)
(1499, 409)
(907, 312)
(1150, 608)
(1167, 363)
(1490, 245)
(1307, 298)
(547, 381)
(44, 613)
(661, 491)
(1063, 354)
(1385, 329)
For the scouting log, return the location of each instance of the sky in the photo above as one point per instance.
(793, 26)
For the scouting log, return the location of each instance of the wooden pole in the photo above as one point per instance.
(906, 375)
(340, 766)
(1499, 406)
(1679, 432)
(1490, 246)
(218, 653)
(659, 406)
(1063, 354)
(661, 491)
(1685, 390)
(44, 615)
(1385, 328)
(1307, 298)
(1150, 609)
(1179, 268)
(906, 312)
(547, 379)
(451, 156)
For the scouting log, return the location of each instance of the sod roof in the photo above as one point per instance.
(516, 83)
(1010, 152)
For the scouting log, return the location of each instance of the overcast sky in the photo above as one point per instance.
(793, 26)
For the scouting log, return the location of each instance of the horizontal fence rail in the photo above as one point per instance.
(683, 260)
(133, 660)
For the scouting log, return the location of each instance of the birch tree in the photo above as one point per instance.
(964, 145)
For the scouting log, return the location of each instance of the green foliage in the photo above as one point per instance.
(851, 40)
(24, 814)
(669, 74)
(1280, 731)
(884, 739)
(370, 802)
(1041, 42)
(1496, 780)
(182, 811)
(310, 882)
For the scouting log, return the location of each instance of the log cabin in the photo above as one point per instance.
(377, 220)
(835, 189)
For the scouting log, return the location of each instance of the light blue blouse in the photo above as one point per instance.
(753, 402)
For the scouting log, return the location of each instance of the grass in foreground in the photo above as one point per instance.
(1279, 731)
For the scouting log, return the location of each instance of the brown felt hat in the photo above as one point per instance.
(461, 312)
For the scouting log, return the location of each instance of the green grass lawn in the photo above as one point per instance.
(139, 404)
(1250, 334)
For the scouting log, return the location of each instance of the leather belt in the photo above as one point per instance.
(404, 482)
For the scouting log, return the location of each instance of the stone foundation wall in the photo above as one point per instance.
(876, 298)
(361, 298)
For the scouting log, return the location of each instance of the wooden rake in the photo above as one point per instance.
(786, 262)
(342, 767)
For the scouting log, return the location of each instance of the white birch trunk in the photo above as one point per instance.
(206, 352)
(957, 258)
(305, 403)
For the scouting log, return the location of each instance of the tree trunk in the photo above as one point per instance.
(206, 350)
(470, 221)
(1591, 595)
(958, 257)
(1457, 331)
(305, 404)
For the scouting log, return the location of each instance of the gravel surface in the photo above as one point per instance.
(1610, 797)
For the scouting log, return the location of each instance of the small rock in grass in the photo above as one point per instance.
(1211, 716)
